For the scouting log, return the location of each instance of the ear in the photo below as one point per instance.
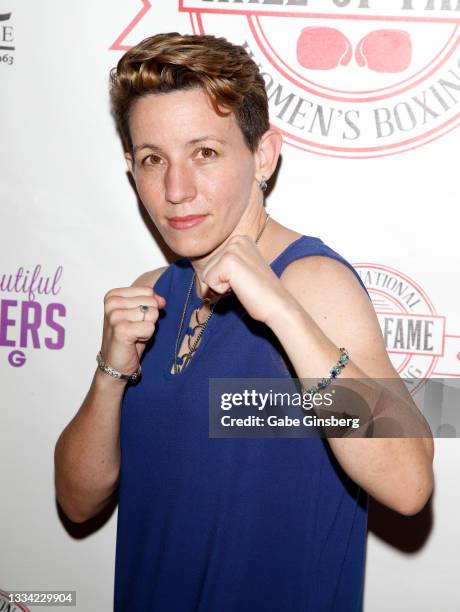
(267, 154)
(130, 162)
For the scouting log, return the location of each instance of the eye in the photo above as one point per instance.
(207, 153)
(152, 160)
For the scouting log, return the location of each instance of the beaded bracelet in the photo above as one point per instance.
(335, 371)
(107, 369)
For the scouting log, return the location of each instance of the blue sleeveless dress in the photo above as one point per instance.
(229, 524)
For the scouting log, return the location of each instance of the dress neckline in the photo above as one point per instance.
(193, 302)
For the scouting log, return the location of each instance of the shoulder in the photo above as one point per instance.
(148, 279)
(329, 289)
(325, 276)
(330, 292)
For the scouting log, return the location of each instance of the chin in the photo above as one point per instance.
(189, 246)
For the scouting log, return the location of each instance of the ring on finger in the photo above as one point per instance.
(144, 309)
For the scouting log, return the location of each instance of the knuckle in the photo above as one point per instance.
(109, 294)
(230, 258)
(113, 316)
(235, 240)
(110, 303)
(153, 309)
(145, 294)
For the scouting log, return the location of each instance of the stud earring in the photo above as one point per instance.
(263, 184)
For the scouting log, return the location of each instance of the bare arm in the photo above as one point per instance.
(330, 310)
(87, 453)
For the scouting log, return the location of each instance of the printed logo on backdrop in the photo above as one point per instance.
(6, 39)
(414, 333)
(31, 315)
(345, 78)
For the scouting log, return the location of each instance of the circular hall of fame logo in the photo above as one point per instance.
(348, 78)
(414, 333)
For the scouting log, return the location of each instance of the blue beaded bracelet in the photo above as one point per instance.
(335, 371)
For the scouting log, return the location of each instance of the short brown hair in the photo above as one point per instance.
(172, 61)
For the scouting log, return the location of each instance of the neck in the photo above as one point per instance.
(252, 228)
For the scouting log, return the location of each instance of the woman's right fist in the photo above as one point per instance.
(127, 326)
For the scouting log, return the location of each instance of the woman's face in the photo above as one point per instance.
(190, 161)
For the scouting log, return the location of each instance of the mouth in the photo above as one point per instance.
(182, 223)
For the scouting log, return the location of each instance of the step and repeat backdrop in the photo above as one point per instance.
(367, 96)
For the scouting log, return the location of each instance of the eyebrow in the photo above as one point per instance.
(154, 147)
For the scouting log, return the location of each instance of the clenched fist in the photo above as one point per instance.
(127, 327)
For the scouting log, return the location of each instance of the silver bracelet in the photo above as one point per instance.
(107, 369)
(334, 372)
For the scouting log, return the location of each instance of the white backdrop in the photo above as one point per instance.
(369, 164)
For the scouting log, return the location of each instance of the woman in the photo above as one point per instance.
(227, 524)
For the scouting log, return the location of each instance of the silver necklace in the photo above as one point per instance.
(184, 359)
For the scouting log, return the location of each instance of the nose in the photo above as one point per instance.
(179, 183)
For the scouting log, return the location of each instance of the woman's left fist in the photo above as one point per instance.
(240, 267)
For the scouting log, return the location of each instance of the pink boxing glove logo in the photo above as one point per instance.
(385, 51)
(322, 48)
